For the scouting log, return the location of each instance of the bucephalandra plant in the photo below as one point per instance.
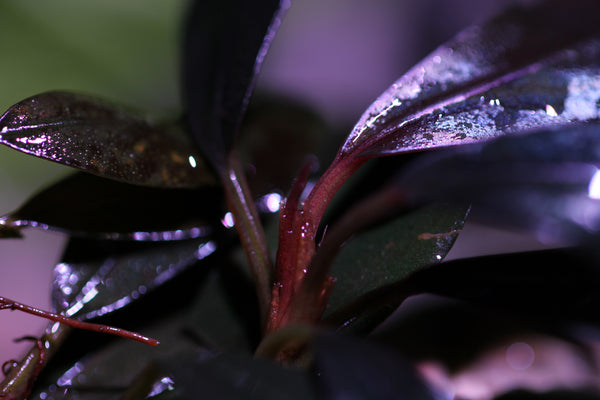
(507, 112)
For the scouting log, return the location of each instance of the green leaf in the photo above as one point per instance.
(225, 376)
(390, 253)
(93, 136)
(530, 67)
(87, 205)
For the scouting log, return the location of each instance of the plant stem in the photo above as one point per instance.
(250, 230)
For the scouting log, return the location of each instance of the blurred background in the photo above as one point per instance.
(337, 56)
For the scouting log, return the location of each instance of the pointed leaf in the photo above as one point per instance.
(88, 205)
(530, 67)
(392, 252)
(88, 289)
(545, 181)
(88, 134)
(225, 43)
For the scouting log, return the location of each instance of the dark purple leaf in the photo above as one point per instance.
(546, 181)
(530, 67)
(225, 43)
(91, 135)
(88, 205)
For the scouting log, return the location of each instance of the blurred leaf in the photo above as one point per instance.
(530, 67)
(276, 137)
(390, 253)
(88, 289)
(88, 205)
(350, 369)
(88, 134)
(545, 181)
(225, 44)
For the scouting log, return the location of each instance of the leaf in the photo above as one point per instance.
(351, 369)
(88, 205)
(85, 289)
(225, 44)
(544, 181)
(226, 376)
(95, 137)
(528, 68)
(390, 253)
(559, 285)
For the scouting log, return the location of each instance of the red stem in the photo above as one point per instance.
(13, 305)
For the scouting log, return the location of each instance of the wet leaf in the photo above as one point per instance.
(391, 252)
(545, 181)
(87, 289)
(530, 67)
(225, 44)
(88, 205)
(351, 369)
(93, 136)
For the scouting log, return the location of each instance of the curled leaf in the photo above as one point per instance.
(96, 137)
(87, 205)
(530, 67)
(225, 44)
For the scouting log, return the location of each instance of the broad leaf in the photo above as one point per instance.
(225, 44)
(390, 253)
(88, 289)
(88, 134)
(88, 205)
(545, 181)
(530, 67)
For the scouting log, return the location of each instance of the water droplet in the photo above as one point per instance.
(228, 221)
(551, 111)
(520, 356)
(192, 161)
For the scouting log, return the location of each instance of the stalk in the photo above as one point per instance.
(250, 230)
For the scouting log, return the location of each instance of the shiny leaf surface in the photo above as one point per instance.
(87, 289)
(225, 44)
(530, 67)
(93, 136)
(391, 252)
(88, 205)
(545, 181)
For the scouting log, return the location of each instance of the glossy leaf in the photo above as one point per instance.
(352, 369)
(87, 289)
(88, 205)
(545, 181)
(530, 67)
(391, 252)
(93, 136)
(225, 44)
